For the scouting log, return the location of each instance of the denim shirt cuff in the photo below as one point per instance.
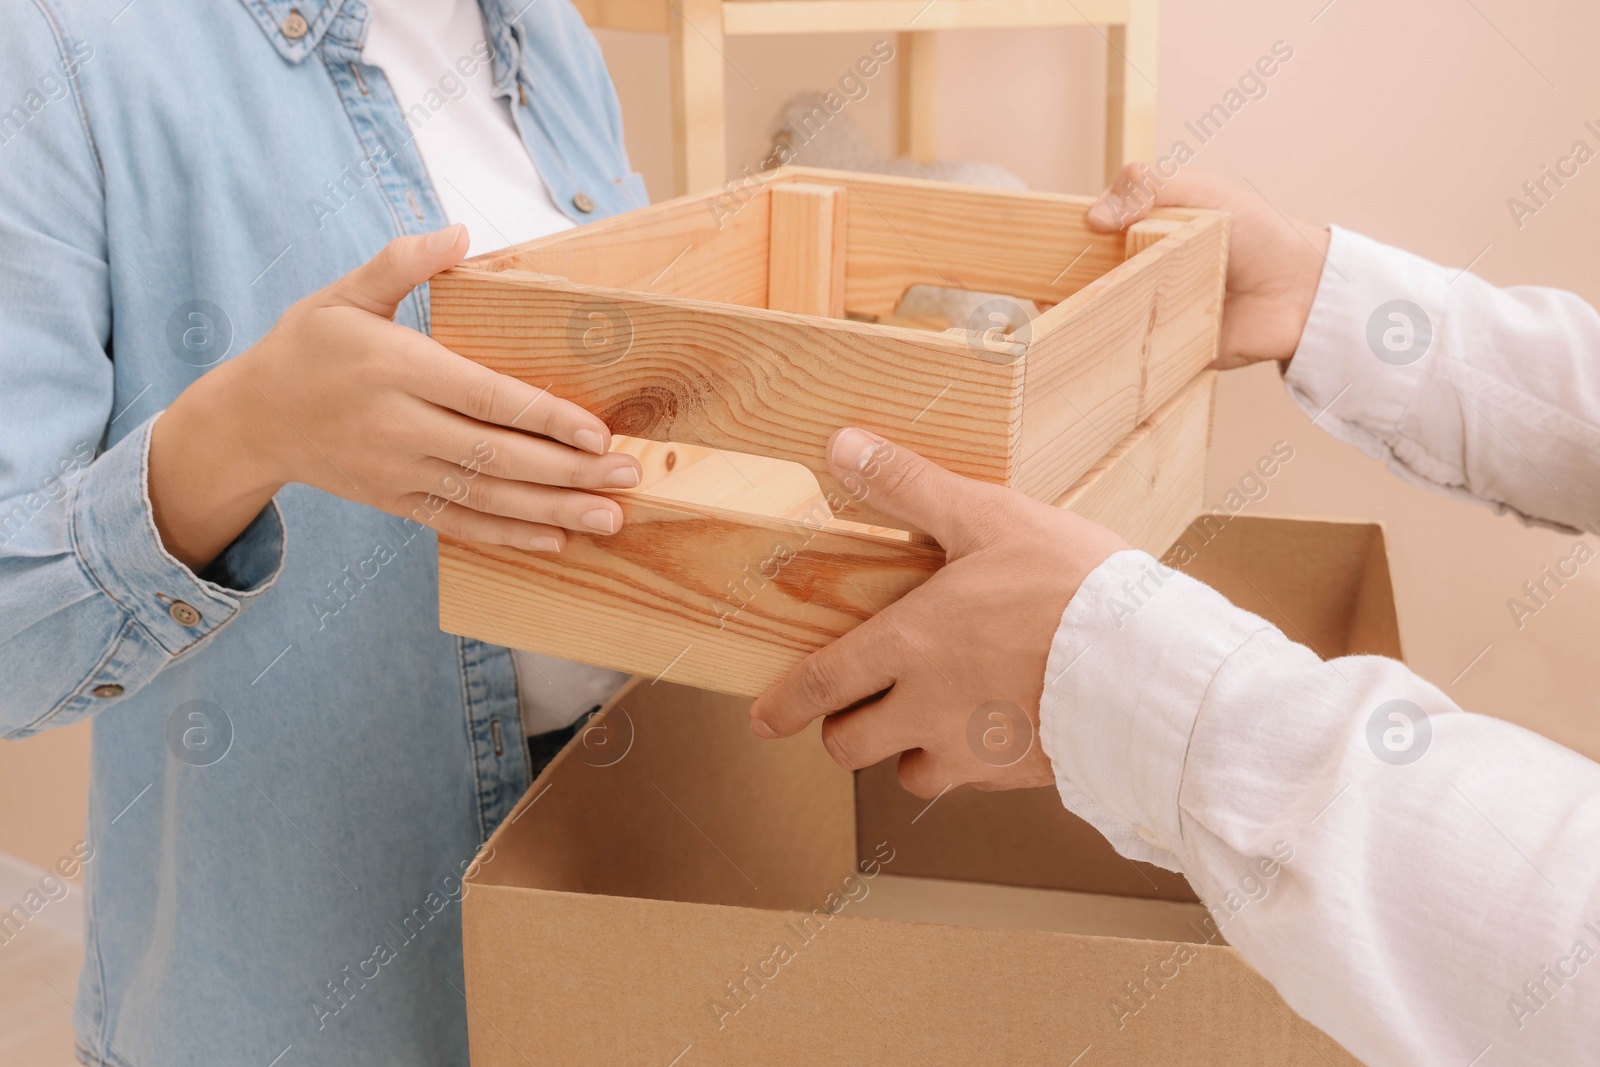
(115, 538)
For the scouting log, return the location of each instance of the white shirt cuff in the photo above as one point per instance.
(1128, 671)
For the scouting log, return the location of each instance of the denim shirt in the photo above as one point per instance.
(292, 765)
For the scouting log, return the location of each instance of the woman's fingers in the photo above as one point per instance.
(518, 457)
(525, 501)
(378, 285)
(465, 524)
(453, 382)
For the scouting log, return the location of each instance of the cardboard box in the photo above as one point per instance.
(674, 891)
(750, 327)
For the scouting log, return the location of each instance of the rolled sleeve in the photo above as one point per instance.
(115, 538)
(1127, 674)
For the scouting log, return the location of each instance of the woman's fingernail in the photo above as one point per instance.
(763, 730)
(600, 519)
(852, 448)
(1108, 211)
(623, 478)
(545, 543)
(590, 441)
(444, 240)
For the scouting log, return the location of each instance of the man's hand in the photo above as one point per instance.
(1274, 262)
(950, 676)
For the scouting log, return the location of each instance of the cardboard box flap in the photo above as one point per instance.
(1323, 583)
(668, 795)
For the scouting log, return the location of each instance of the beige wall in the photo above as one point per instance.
(43, 790)
(1412, 122)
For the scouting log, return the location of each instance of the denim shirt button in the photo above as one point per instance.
(183, 614)
(582, 202)
(106, 692)
(295, 26)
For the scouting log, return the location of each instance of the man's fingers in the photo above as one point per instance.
(1139, 187)
(926, 775)
(831, 679)
(872, 733)
(379, 284)
(899, 483)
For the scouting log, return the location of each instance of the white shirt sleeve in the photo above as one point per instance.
(1474, 391)
(1421, 883)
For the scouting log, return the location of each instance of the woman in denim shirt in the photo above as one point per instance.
(217, 504)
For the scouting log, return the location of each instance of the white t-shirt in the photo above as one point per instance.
(436, 57)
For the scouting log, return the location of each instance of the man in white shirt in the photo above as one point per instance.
(1441, 911)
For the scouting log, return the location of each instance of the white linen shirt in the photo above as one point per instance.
(1442, 911)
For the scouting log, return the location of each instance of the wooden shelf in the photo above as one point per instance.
(698, 28)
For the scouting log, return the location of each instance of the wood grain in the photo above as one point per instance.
(709, 247)
(1104, 360)
(807, 252)
(735, 562)
(743, 379)
(1146, 232)
(728, 600)
(904, 232)
(1131, 488)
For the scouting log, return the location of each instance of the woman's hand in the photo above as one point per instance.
(340, 397)
(1274, 262)
(950, 675)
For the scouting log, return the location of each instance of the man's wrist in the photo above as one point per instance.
(1117, 747)
(1313, 260)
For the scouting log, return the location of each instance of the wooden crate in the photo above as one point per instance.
(746, 330)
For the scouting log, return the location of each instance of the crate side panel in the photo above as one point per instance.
(732, 378)
(710, 247)
(1085, 370)
(1187, 323)
(1152, 485)
(732, 602)
(902, 233)
(715, 600)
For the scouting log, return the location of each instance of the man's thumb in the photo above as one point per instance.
(901, 484)
(379, 284)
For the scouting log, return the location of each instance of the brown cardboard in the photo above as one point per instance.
(675, 891)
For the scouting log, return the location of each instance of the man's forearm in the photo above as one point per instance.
(1462, 387)
(1396, 867)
